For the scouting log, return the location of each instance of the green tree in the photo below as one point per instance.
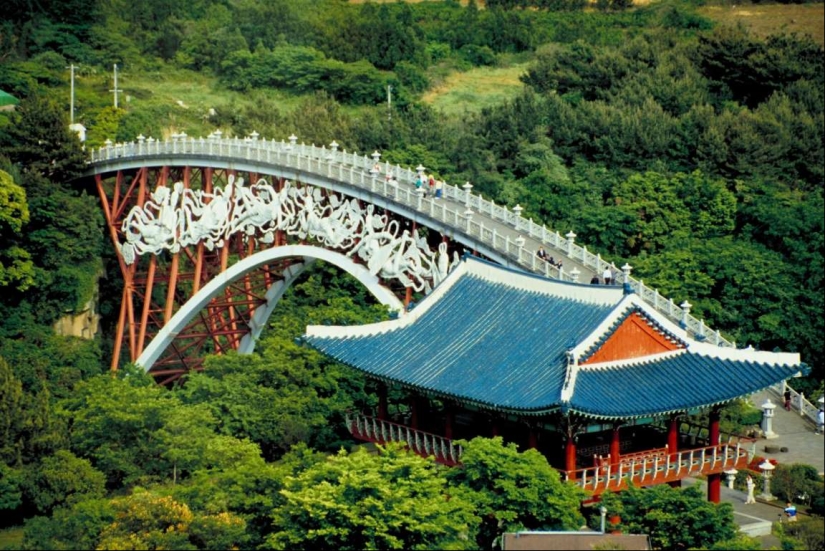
(673, 517)
(512, 490)
(62, 479)
(146, 520)
(38, 141)
(16, 267)
(72, 527)
(11, 492)
(12, 403)
(115, 425)
(389, 500)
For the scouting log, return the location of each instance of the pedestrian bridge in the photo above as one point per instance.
(210, 232)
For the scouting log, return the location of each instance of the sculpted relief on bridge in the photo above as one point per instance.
(179, 217)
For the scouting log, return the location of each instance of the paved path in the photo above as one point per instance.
(804, 446)
(793, 432)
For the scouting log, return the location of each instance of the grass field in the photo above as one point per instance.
(766, 19)
(472, 90)
(11, 538)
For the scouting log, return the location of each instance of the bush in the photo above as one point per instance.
(797, 483)
(478, 55)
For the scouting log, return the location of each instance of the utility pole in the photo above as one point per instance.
(116, 90)
(71, 101)
(389, 102)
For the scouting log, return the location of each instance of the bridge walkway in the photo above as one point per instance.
(495, 231)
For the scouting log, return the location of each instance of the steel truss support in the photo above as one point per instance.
(156, 286)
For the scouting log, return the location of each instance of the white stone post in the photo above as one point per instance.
(767, 419)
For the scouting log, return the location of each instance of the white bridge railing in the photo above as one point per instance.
(463, 210)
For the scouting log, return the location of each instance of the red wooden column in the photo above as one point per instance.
(714, 480)
(615, 449)
(414, 407)
(673, 435)
(570, 457)
(533, 437)
(420, 406)
(382, 401)
(449, 421)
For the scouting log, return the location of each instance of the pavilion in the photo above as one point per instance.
(590, 375)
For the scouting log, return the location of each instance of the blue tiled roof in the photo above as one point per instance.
(482, 342)
(498, 339)
(673, 383)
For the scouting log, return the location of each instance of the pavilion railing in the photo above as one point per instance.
(658, 468)
(371, 429)
(359, 171)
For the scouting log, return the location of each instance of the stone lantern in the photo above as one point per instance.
(767, 468)
(731, 476)
(767, 419)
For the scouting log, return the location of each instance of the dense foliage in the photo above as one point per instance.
(692, 152)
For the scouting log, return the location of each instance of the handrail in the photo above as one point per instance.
(421, 442)
(357, 170)
(805, 408)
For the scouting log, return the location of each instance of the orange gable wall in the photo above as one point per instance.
(633, 338)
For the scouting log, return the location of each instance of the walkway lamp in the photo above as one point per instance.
(293, 140)
(603, 511)
(467, 188)
(254, 135)
(575, 273)
(571, 238)
(517, 211)
(333, 146)
(626, 277)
